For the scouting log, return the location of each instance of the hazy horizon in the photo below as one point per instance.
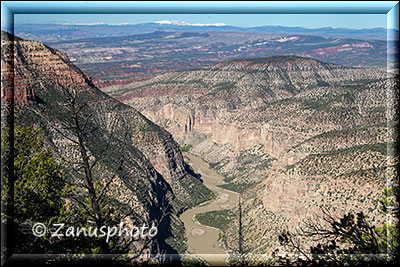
(309, 21)
(184, 23)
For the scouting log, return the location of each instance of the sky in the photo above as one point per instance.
(352, 21)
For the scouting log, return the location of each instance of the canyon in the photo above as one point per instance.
(291, 134)
(153, 179)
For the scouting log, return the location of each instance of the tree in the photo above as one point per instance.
(350, 239)
(7, 154)
(91, 194)
(72, 190)
(241, 252)
(80, 128)
(40, 190)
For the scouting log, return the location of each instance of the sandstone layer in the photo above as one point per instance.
(153, 179)
(292, 134)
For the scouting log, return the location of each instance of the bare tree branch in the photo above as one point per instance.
(103, 190)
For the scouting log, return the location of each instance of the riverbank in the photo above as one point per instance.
(203, 240)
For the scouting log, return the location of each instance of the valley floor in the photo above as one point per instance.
(203, 240)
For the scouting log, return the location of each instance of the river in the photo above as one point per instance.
(203, 240)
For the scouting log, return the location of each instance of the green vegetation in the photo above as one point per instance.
(198, 82)
(388, 200)
(225, 86)
(365, 175)
(219, 219)
(196, 190)
(178, 239)
(379, 147)
(44, 194)
(382, 148)
(40, 189)
(321, 104)
(317, 105)
(192, 260)
(228, 179)
(334, 133)
(350, 235)
(213, 165)
(185, 148)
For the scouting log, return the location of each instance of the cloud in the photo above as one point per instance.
(183, 23)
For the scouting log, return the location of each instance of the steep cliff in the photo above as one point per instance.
(275, 102)
(292, 134)
(154, 178)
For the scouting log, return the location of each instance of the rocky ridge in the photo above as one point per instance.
(292, 134)
(154, 178)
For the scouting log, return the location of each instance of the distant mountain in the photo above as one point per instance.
(373, 33)
(52, 32)
(123, 59)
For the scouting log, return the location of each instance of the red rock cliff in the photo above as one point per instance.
(21, 62)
